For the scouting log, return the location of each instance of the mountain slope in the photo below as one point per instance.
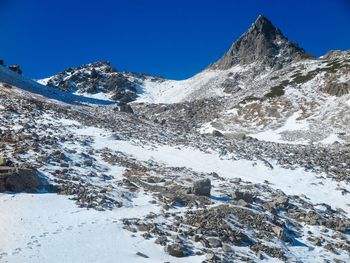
(129, 189)
(262, 83)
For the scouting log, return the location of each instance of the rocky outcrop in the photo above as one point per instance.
(337, 89)
(15, 68)
(94, 78)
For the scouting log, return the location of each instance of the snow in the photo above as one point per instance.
(172, 91)
(204, 84)
(293, 182)
(43, 81)
(206, 128)
(50, 228)
(332, 138)
(99, 96)
(30, 88)
(291, 124)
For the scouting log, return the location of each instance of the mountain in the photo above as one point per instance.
(262, 43)
(98, 80)
(263, 82)
(247, 161)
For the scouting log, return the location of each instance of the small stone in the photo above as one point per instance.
(226, 248)
(282, 200)
(247, 197)
(204, 242)
(160, 240)
(211, 256)
(241, 202)
(214, 242)
(131, 229)
(195, 238)
(142, 228)
(142, 255)
(216, 133)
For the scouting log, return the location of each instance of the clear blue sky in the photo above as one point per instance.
(171, 38)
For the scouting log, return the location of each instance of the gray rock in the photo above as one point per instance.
(226, 248)
(177, 250)
(161, 240)
(214, 242)
(202, 187)
(20, 180)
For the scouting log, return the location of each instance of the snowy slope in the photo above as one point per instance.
(50, 228)
(9, 77)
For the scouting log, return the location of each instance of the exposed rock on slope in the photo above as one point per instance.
(98, 79)
(262, 43)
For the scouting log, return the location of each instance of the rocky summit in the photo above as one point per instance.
(247, 161)
(263, 43)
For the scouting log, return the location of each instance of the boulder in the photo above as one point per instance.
(281, 234)
(126, 108)
(246, 196)
(214, 242)
(202, 187)
(177, 250)
(216, 133)
(282, 200)
(20, 180)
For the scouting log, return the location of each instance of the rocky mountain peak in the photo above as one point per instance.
(264, 44)
(264, 26)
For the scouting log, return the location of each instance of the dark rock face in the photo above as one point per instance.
(19, 180)
(263, 42)
(337, 89)
(202, 187)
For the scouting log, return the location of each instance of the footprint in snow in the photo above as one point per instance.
(44, 234)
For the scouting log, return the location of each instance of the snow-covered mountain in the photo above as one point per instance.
(237, 164)
(262, 82)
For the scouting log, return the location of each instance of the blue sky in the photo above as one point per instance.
(170, 38)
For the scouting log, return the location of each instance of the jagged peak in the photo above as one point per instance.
(263, 25)
(263, 43)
